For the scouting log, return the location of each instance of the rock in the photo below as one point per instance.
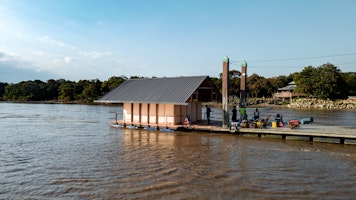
(323, 104)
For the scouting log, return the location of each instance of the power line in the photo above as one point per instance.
(288, 67)
(254, 66)
(300, 58)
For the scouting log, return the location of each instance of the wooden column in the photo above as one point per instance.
(225, 91)
(243, 96)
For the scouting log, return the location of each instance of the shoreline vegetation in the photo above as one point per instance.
(302, 104)
(298, 104)
(324, 82)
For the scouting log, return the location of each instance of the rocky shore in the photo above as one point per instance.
(323, 104)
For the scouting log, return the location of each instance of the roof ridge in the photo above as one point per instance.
(169, 77)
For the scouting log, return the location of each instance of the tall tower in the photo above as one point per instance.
(243, 95)
(225, 91)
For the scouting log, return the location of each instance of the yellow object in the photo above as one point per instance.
(258, 124)
(274, 124)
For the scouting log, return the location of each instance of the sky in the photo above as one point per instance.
(97, 39)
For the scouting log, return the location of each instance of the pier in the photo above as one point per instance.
(310, 132)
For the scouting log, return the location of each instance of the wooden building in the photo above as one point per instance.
(353, 98)
(162, 101)
(287, 92)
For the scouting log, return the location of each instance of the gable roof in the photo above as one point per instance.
(176, 90)
(290, 87)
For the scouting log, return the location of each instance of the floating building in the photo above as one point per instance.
(163, 101)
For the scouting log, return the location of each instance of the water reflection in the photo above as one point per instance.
(139, 137)
(226, 166)
(70, 152)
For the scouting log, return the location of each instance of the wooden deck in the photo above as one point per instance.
(311, 132)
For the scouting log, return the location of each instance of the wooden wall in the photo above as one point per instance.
(160, 114)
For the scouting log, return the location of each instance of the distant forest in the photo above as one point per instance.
(324, 82)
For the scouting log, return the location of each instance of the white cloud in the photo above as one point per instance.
(68, 59)
(51, 41)
(40, 53)
(11, 56)
(95, 54)
(56, 60)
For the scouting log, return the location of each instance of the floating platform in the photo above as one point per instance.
(310, 132)
(336, 134)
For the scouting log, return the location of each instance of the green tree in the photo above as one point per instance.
(217, 82)
(66, 91)
(234, 82)
(92, 89)
(51, 90)
(25, 91)
(305, 80)
(257, 86)
(331, 85)
(112, 83)
(324, 82)
(2, 89)
(350, 80)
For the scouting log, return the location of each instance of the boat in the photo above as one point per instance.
(306, 120)
(117, 125)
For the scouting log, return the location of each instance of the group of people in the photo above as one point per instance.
(243, 114)
(242, 111)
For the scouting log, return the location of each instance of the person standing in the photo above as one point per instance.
(256, 114)
(234, 114)
(242, 113)
(207, 111)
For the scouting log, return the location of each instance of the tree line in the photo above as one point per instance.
(83, 91)
(324, 82)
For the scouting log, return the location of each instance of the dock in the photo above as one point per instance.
(309, 132)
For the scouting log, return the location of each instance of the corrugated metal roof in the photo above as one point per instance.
(176, 90)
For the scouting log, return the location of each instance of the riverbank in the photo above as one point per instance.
(323, 104)
(59, 102)
(317, 104)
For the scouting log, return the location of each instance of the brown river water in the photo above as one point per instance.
(54, 151)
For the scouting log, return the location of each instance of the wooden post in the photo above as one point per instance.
(225, 92)
(311, 138)
(243, 84)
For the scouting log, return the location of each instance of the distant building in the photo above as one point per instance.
(163, 101)
(287, 93)
(353, 98)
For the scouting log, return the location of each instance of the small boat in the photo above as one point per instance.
(117, 125)
(306, 120)
(132, 127)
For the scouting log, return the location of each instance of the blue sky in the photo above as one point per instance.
(88, 39)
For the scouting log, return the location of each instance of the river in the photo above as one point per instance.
(57, 151)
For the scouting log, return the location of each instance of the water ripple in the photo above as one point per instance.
(70, 152)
